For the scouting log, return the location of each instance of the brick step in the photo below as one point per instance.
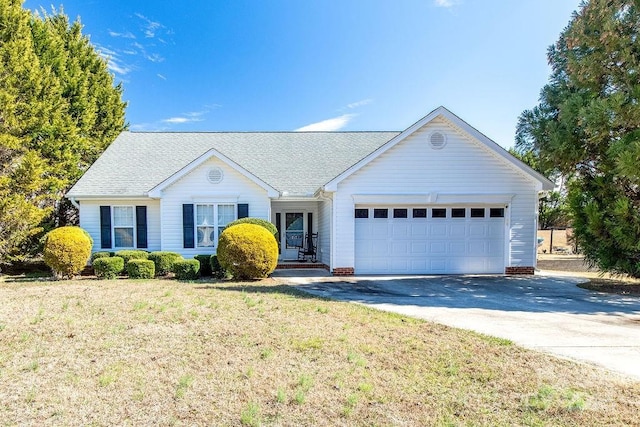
(293, 264)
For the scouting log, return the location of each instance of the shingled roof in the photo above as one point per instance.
(295, 162)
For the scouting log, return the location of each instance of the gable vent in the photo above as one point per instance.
(214, 175)
(437, 140)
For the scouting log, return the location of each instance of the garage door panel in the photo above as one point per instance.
(438, 265)
(438, 247)
(380, 249)
(400, 248)
(438, 230)
(419, 247)
(457, 248)
(478, 248)
(478, 230)
(457, 231)
(429, 245)
(419, 229)
(401, 230)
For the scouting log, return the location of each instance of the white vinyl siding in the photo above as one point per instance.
(463, 166)
(324, 231)
(195, 188)
(90, 219)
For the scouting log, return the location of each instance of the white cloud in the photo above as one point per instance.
(194, 116)
(125, 35)
(359, 103)
(446, 3)
(160, 76)
(150, 27)
(114, 63)
(328, 125)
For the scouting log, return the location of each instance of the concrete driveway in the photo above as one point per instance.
(545, 313)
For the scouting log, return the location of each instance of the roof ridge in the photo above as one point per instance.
(262, 132)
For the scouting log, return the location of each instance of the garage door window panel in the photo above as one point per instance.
(400, 213)
(477, 212)
(438, 213)
(419, 213)
(496, 212)
(361, 213)
(381, 213)
(458, 212)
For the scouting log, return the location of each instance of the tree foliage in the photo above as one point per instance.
(587, 125)
(59, 109)
(553, 209)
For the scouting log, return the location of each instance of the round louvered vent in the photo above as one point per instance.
(437, 140)
(214, 175)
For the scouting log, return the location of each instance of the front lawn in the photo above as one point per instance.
(126, 352)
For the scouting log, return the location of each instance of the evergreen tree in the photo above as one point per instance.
(59, 109)
(587, 125)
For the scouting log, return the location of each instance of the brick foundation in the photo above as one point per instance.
(519, 270)
(343, 271)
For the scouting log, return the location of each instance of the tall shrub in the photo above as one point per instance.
(247, 251)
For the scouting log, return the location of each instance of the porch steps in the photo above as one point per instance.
(284, 265)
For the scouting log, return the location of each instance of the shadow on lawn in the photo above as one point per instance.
(259, 287)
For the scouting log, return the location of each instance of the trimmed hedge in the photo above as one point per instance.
(141, 269)
(128, 255)
(67, 250)
(257, 221)
(164, 261)
(186, 269)
(216, 269)
(247, 251)
(205, 264)
(96, 255)
(108, 267)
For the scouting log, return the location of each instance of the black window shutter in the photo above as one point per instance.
(243, 210)
(105, 227)
(141, 226)
(188, 227)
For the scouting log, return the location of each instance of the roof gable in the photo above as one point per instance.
(156, 191)
(542, 182)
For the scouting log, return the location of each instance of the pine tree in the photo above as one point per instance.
(587, 125)
(59, 109)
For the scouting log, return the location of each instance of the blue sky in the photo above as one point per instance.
(207, 65)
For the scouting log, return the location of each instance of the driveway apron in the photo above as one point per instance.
(545, 313)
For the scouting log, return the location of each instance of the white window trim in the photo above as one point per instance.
(215, 224)
(113, 227)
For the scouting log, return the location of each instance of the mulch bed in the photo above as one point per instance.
(612, 287)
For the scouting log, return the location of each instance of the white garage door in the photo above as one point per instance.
(429, 240)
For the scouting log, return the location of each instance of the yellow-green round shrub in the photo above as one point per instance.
(67, 250)
(247, 251)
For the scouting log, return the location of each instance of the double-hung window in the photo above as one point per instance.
(123, 226)
(211, 220)
(226, 214)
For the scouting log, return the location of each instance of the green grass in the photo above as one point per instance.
(260, 353)
(250, 415)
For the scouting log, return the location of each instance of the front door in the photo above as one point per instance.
(293, 234)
